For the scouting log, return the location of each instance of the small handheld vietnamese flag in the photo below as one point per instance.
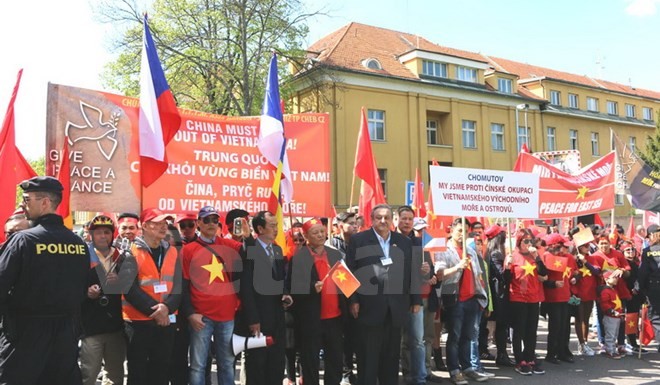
(343, 278)
(632, 320)
(647, 333)
(556, 263)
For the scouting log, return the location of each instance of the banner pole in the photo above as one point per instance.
(465, 234)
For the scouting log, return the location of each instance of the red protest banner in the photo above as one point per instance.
(213, 159)
(562, 194)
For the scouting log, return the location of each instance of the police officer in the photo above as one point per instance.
(649, 276)
(43, 282)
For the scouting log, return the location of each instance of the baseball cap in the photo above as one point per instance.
(207, 211)
(493, 230)
(186, 217)
(419, 223)
(553, 239)
(154, 215)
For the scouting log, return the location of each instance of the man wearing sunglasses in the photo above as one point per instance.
(43, 282)
(187, 225)
(211, 268)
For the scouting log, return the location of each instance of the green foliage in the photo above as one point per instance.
(215, 54)
(39, 166)
(651, 153)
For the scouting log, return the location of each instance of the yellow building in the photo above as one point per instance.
(427, 101)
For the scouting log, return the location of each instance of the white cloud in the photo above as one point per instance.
(642, 8)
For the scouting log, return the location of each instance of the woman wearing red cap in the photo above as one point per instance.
(561, 268)
(525, 271)
(588, 276)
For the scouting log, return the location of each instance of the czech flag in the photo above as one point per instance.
(159, 118)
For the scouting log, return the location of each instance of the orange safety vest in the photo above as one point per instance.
(147, 277)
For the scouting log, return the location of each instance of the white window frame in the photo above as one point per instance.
(497, 136)
(555, 98)
(376, 124)
(431, 130)
(434, 69)
(592, 104)
(382, 173)
(632, 143)
(573, 142)
(523, 135)
(647, 113)
(466, 74)
(595, 145)
(573, 101)
(612, 108)
(505, 85)
(552, 138)
(630, 111)
(469, 134)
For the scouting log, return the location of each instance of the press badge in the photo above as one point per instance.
(172, 318)
(386, 261)
(160, 288)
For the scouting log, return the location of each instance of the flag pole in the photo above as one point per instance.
(640, 327)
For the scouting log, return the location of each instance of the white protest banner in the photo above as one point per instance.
(484, 193)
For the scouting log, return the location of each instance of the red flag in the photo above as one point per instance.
(13, 166)
(344, 278)
(64, 176)
(598, 221)
(371, 191)
(418, 199)
(159, 118)
(632, 319)
(631, 229)
(556, 263)
(524, 148)
(647, 333)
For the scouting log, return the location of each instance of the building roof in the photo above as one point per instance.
(350, 45)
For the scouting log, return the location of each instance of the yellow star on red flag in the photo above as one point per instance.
(582, 191)
(341, 276)
(529, 268)
(585, 272)
(215, 269)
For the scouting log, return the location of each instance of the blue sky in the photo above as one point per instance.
(567, 35)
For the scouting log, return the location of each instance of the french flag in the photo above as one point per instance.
(159, 118)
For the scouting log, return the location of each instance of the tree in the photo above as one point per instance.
(39, 166)
(651, 153)
(215, 53)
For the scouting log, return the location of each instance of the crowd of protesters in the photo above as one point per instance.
(169, 294)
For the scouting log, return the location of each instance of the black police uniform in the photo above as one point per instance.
(43, 281)
(648, 277)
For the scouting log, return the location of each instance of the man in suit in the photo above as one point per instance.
(383, 262)
(263, 299)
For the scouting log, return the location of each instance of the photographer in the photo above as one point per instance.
(103, 339)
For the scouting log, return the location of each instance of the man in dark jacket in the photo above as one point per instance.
(43, 281)
(382, 261)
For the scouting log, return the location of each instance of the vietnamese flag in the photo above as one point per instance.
(418, 198)
(343, 278)
(632, 319)
(647, 334)
(556, 263)
(371, 190)
(64, 176)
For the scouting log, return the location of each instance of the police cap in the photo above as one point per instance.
(653, 229)
(42, 184)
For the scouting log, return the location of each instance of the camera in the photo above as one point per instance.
(104, 300)
(238, 226)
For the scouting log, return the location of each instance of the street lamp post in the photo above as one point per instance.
(523, 106)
